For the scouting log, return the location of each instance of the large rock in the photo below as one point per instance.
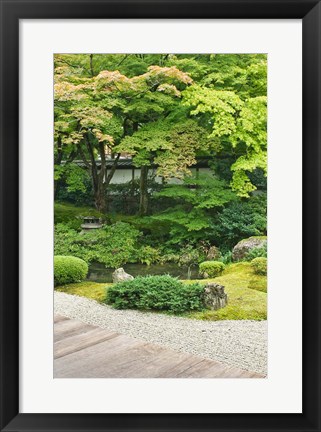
(120, 275)
(213, 253)
(244, 246)
(214, 296)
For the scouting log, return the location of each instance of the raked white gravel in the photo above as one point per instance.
(239, 343)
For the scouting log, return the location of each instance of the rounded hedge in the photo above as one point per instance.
(259, 265)
(211, 269)
(163, 293)
(69, 269)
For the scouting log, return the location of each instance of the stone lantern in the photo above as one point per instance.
(90, 222)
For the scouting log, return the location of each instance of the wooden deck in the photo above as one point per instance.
(86, 351)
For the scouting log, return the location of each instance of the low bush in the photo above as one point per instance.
(161, 293)
(69, 269)
(72, 216)
(259, 265)
(113, 245)
(241, 219)
(189, 256)
(259, 252)
(169, 258)
(211, 269)
(226, 258)
(148, 255)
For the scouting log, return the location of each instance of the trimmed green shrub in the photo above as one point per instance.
(259, 265)
(211, 269)
(69, 269)
(161, 293)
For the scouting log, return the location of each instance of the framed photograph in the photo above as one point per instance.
(160, 234)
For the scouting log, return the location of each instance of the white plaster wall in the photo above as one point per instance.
(125, 175)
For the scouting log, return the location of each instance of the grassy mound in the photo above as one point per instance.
(245, 289)
(244, 302)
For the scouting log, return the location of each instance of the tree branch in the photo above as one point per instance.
(83, 157)
(122, 60)
(103, 161)
(58, 157)
(113, 169)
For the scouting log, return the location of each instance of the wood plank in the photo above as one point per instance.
(92, 362)
(85, 351)
(80, 341)
(209, 369)
(163, 363)
(65, 329)
(58, 318)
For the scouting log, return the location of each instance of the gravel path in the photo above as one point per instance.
(239, 343)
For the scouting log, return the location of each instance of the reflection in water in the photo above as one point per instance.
(99, 273)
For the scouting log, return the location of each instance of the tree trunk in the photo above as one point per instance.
(97, 177)
(91, 64)
(143, 203)
(57, 161)
(100, 197)
(103, 180)
(100, 179)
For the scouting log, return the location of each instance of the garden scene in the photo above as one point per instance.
(160, 236)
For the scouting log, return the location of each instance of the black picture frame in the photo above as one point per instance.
(11, 12)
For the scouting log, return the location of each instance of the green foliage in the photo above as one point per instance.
(203, 191)
(69, 269)
(113, 245)
(189, 214)
(72, 216)
(97, 109)
(189, 256)
(148, 255)
(243, 286)
(73, 175)
(211, 269)
(68, 187)
(161, 293)
(226, 258)
(182, 223)
(165, 110)
(169, 258)
(257, 252)
(124, 198)
(171, 145)
(259, 265)
(236, 114)
(241, 219)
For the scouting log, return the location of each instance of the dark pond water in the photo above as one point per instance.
(99, 273)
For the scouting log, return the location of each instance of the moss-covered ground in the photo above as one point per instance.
(247, 298)
(91, 290)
